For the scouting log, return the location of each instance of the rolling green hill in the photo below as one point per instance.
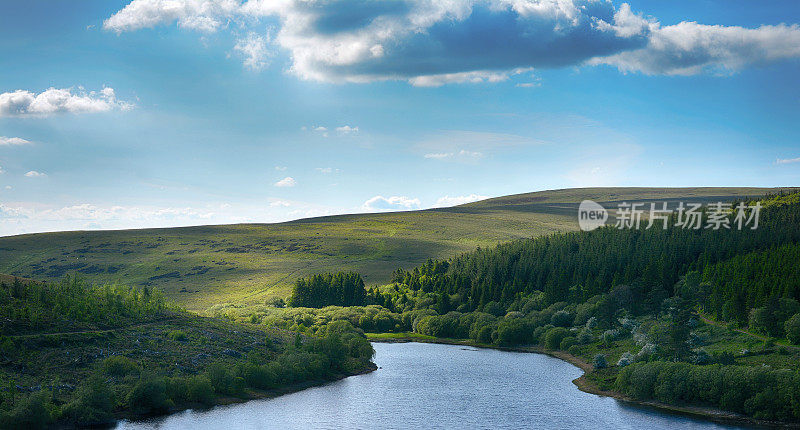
(199, 267)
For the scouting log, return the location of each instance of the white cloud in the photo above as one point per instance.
(11, 141)
(30, 217)
(280, 203)
(468, 146)
(431, 43)
(309, 213)
(475, 77)
(462, 154)
(346, 129)
(286, 182)
(439, 155)
(393, 203)
(787, 160)
(1, 170)
(254, 50)
(327, 170)
(8, 187)
(535, 82)
(319, 129)
(280, 168)
(34, 174)
(200, 15)
(52, 100)
(470, 154)
(448, 201)
(94, 213)
(324, 131)
(690, 48)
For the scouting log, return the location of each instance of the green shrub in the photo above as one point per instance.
(177, 389)
(93, 404)
(224, 380)
(32, 412)
(554, 336)
(585, 336)
(177, 335)
(567, 342)
(200, 390)
(494, 308)
(756, 391)
(516, 331)
(484, 334)
(600, 361)
(792, 328)
(119, 366)
(625, 359)
(149, 396)
(562, 319)
(261, 377)
(574, 350)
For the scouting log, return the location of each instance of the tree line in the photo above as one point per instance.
(329, 289)
(575, 267)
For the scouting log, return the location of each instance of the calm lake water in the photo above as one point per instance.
(438, 387)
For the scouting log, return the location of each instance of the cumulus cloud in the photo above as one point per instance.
(253, 49)
(787, 160)
(12, 141)
(431, 43)
(393, 203)
(322, 130)
(35, 174)
(200, 15)
(448, 201)
(286, 182)
(346, 129)
(53, 100)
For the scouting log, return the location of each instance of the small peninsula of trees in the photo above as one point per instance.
(329, 289)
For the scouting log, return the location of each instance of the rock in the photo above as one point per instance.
(232, 353)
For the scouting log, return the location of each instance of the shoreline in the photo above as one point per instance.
(587, 386)
(252, 394)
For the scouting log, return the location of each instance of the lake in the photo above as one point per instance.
(420, 385)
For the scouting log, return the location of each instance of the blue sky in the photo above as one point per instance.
(119, 114)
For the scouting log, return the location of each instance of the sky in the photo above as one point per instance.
(154, 113)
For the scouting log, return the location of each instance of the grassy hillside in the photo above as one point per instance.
(249, 263)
